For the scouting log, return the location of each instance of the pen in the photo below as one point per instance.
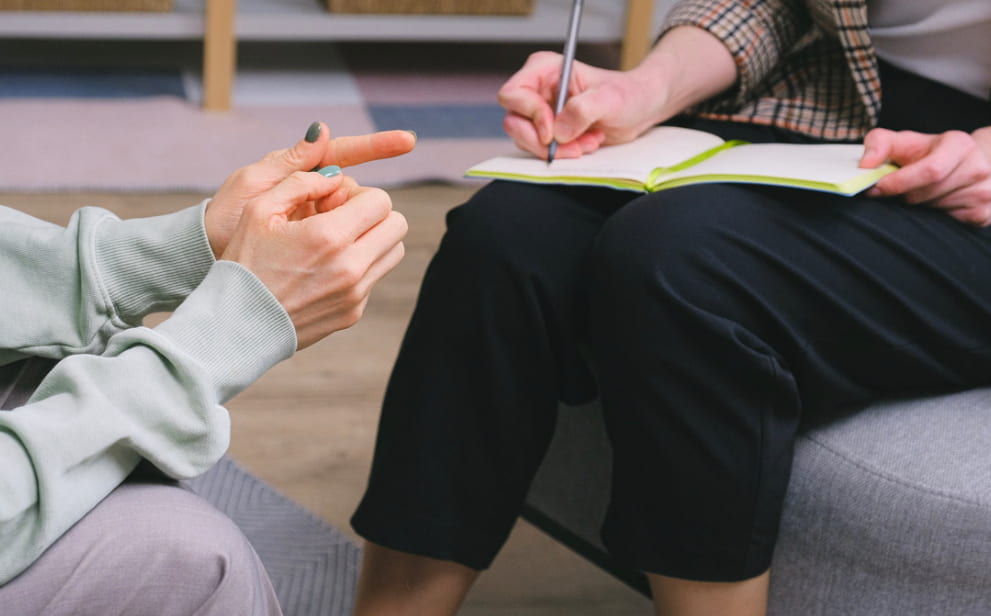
(569, 59)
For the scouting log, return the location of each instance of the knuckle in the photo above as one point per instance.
(983, 195)
(244, 175)
(980, 217)
(504, 93)
(330, 239)
(930, 171)
(582, 106)
(381, 196)
(348, 277)
(958, 139)
(508, 122)
(353, 316)
(292, 157)
(271, 157)
(541, 56)
(878, 133)
(254, 210)
(400, 222)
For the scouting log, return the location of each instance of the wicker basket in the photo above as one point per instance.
(433, 7)
(86, 5)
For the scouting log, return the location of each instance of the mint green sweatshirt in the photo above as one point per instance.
(123, 392)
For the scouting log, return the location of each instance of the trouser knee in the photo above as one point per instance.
(675, 250)
(147, 549)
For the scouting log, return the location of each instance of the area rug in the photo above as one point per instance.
(75, 116)
(312, 565)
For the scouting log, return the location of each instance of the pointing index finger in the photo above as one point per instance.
(355, 150)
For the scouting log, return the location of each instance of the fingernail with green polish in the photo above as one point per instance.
(313, 132)
(329, 171)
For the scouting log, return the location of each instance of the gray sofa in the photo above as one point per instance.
(888, 511)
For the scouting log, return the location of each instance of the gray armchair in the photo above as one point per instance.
(888, 511)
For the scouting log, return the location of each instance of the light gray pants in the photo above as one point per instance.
(149, 549)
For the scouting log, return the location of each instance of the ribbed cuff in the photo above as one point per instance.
(151, 264)
(233, 327)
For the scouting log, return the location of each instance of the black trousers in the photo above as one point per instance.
(711, 320)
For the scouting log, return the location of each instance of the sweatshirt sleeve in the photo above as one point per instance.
(154, 393)
(68, 290)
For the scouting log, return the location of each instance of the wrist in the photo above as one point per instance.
(983, 138)
(152, 264)
(652, 79)
(688, 66)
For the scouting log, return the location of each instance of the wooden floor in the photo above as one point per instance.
(308, 426)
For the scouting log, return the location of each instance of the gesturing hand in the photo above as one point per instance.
(949, 170)
(316, 150)
(321, 267)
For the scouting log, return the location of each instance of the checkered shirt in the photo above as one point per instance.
(804, 65)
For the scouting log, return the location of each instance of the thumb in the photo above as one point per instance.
(580, 112)
(901, 148)
(877, 148)
(305, 155)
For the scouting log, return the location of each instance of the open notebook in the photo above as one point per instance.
(669, 156)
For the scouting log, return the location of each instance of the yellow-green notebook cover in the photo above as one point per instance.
(668, 156)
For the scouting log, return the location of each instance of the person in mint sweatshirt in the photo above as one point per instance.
(278, 259)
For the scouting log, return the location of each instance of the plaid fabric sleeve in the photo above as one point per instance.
(758, 34)
(804, 65)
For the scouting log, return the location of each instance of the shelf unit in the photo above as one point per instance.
(222, 23)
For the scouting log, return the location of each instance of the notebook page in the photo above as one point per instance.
(829, 163)
(663, 146)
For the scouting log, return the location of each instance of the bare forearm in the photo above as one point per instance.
(687, 66)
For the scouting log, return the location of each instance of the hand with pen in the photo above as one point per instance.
(606, 107)
(601, 107)
(317, 240)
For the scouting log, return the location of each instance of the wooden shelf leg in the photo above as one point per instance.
(637, 33)
(219, 54)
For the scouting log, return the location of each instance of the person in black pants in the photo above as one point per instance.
(710, 320)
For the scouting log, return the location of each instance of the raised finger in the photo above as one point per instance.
(355, 150)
